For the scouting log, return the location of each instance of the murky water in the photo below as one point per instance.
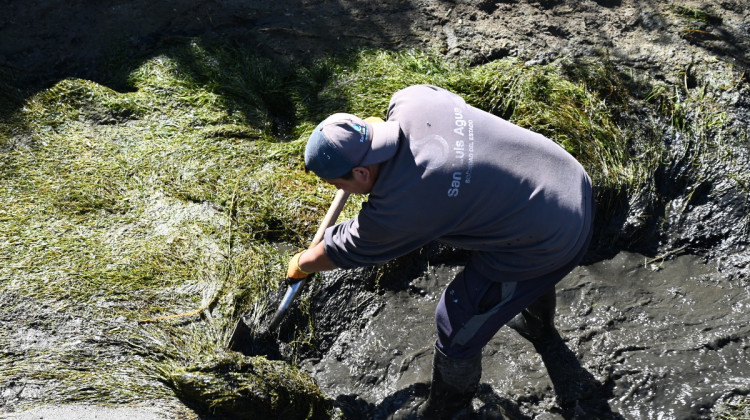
(641, 340)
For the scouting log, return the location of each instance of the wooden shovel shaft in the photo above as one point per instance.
(291, 292)
(331, 216)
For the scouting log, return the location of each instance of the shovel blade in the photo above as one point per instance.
(253, 335)
(253, 341)
(242, 337)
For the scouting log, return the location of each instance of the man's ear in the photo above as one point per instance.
(361, 173)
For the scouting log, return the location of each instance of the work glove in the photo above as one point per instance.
(294, 271)
(374, 120)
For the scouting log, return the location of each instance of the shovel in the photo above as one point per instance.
(252, 341)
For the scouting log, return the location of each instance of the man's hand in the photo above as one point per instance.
(294, 271)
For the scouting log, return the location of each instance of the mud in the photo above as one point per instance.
(656, 324)
(639, 339)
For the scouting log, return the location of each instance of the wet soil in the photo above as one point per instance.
(638, 340)
(641, 337)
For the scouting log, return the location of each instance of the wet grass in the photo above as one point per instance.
(696, 23)
(696, 15)
(736, 409)
(138, 225)
(121, 208)
(696, 128)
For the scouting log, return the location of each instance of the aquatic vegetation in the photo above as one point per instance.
(695, 15)
(737, 408)
(139, 223)
(234, 386)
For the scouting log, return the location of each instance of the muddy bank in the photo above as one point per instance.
(640, 339)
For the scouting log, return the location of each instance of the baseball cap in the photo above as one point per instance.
(343, 141)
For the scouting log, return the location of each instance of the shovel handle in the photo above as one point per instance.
(331, 216)
(242, 334)
(293, 288)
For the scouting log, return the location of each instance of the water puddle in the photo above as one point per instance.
(641, 340)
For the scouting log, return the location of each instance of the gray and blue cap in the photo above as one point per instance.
(344, 141)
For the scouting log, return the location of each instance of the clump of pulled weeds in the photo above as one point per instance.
(234, 386)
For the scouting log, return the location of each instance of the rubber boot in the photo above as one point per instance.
(454, 383)
(537, 322)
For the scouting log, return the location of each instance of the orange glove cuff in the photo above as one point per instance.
(294, 271)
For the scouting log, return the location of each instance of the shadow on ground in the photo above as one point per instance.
(44, 42)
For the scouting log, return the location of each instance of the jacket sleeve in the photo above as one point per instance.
(362, 242)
